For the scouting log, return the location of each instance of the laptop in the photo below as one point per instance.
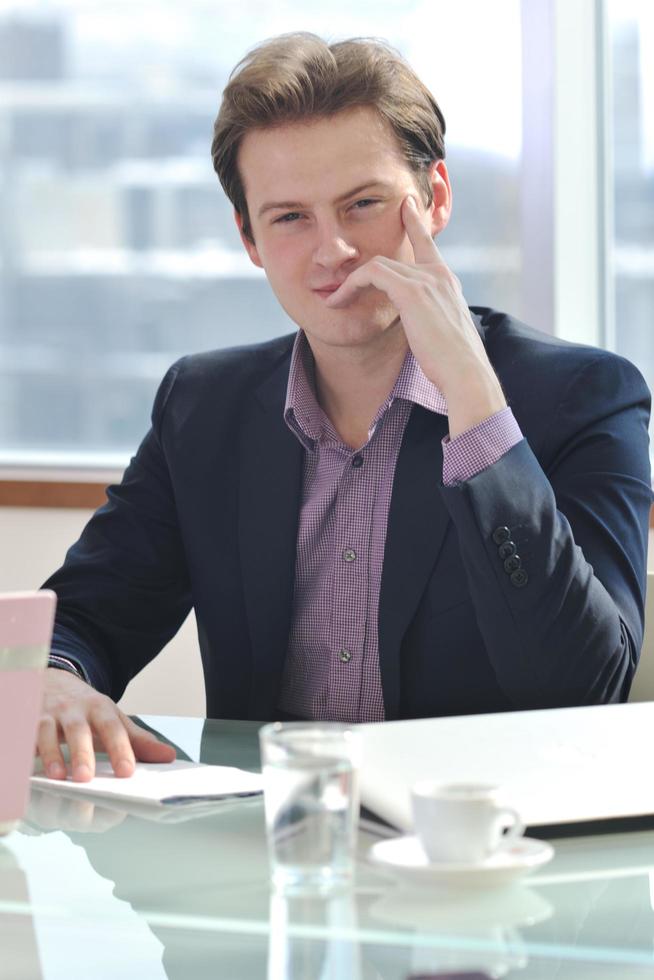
(26, 622)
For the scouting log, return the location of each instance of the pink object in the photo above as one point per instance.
(21, 692)
(26, 620)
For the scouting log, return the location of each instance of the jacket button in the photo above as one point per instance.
(519, 578)
(344, 656)
(512, 564)
(506, 549)
(501, 534)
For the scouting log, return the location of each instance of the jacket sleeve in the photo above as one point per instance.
(123, 590)
(562, 617)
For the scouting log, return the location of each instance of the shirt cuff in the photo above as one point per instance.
(479, 447)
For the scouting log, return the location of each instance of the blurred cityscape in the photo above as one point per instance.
(118, 251)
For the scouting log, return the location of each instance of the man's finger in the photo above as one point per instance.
(79, 737)
(424, 249)
(147, 747)
(48, 748)
(384, 274)
(114, 739)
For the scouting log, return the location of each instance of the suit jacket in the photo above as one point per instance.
(206, 516)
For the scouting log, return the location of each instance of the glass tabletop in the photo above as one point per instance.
(189, 896)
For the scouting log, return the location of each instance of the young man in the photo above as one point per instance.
(410, 508)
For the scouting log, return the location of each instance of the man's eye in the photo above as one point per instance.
(365, 202)
(287, 218)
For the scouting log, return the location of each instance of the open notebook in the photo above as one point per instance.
(566, 766)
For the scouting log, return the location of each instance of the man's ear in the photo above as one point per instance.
(250, 247)
(441, 208)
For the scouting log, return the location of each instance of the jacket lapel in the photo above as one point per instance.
(417, 522)
(269, 496)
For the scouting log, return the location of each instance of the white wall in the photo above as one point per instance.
(33, 542)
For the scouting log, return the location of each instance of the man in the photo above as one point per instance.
(409, 509)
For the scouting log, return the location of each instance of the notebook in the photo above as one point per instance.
(558, 767)
(164, 784)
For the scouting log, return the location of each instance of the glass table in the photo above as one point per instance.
(94, 891)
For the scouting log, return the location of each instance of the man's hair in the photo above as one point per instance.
(299, 77)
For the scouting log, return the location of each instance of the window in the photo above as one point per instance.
(631, 203)
(118, 251)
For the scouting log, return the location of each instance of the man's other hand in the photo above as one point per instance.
(75, 714)
(439, 328)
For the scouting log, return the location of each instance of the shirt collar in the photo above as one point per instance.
(302, 413)
(306, 419)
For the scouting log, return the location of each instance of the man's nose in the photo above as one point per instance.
(333, 247)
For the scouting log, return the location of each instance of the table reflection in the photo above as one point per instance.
(482, 928)
(314, 937)
(18, 944)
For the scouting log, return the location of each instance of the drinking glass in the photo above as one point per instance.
(311, 793)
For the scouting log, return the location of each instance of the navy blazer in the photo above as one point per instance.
(206, 516)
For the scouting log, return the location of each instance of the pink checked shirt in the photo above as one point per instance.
(332, 666)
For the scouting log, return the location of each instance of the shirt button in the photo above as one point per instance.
(357, 461)
(344, 656)
(349, 554)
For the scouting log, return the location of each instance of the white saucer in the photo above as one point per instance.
(405, 856)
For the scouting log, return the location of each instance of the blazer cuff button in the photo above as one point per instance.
(519, 578)
(501, 534)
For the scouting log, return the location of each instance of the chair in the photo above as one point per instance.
(642, 688)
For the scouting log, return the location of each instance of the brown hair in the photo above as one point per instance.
(297, 77)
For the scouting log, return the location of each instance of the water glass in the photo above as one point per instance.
(311, 793)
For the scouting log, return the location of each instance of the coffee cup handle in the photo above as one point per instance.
(515, 828)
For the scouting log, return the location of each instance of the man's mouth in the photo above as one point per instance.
(327, 290)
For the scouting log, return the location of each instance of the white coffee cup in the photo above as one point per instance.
(462, 822)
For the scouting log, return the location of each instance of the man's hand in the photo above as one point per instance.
(436, 321)
(84, 719)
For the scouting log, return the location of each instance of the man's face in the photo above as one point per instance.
(324, 197)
